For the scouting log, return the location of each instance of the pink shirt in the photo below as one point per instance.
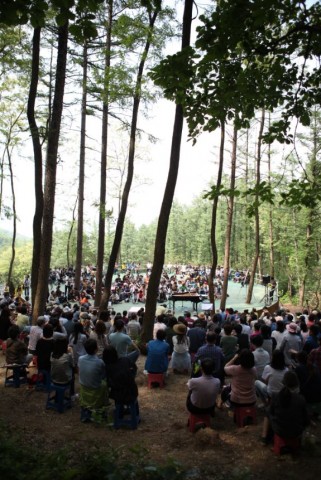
(242, 383)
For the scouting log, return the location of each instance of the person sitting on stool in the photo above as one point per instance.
(203, 390)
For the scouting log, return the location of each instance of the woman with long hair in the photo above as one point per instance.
(77, 341)
(181, 359)
(99, 334)
(272, 377)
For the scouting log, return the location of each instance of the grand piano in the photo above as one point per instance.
(195, 298)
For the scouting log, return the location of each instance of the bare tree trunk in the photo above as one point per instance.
(14, 213)
(50, 174)
(257, 217)
(69, 263)
(37, 153)
(160, 242)
(214, 218)
(103, 163)
(230, 211)
(130, 170)
(82, 158)
(271, 229)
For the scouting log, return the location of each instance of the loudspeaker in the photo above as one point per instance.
(266, 279)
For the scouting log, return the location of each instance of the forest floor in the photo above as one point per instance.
(224, 451)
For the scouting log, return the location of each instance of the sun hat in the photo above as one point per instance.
(292, 328)
(180, 328)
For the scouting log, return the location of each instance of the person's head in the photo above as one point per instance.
(41, 321)
(104, 315)
(180, 329)
(207, 366)
(266, 332)
(246, 358)
(172, 321)
(47, 331)
(280, 327)
(277, 360)
(160, 334)
(118, 324)
(257, 341)
(237, 328)
(228, 328)
(292, 328)
(13, 332)
(23, 310)
(290, 380)
(211, 338)
(110, 355)
(91, 346)
(314, 330)
(100, 327)
(60, 347)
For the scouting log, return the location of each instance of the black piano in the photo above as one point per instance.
(195, 298)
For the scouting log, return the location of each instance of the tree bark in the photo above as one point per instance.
(69, 263)
(82, 160)
(160, 242)
(214, 219)
(14, 213)
(50, 174)
(37, 153)
(130, 170)
(230, 211)
(257, 217)
(103, 163)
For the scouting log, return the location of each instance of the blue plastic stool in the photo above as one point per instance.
(57, 398)
(18, 377)
(45, 383)
(131, 411)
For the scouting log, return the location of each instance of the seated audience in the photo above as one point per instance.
(157, 354)
(203, 390)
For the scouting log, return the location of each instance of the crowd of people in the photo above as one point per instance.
(231, 359)
(130, 283)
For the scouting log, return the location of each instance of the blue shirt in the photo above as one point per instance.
(157, 356)
(91, 371)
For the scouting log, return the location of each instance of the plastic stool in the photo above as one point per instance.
(156, 378)
(58, 401)
(196, 420)
(244, 415)
(131, 411)
(285, 445)
(19, 375)
(43, 381)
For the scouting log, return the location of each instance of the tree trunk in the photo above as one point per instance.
(50, 174)
(270, 213)
(69, 263)
(130, 170)
(37, 153)
(82, 158)
(230, 211)
(14, 213)
(214, 218)
(257, 217)
(103, 163)
(160, 242)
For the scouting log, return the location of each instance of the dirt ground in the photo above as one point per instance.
(220, 452)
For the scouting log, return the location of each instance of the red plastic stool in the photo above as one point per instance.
(283, 445)
(198, 419)
(243, 414)
(156, 378)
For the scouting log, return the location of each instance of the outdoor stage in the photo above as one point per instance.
(236, 299)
